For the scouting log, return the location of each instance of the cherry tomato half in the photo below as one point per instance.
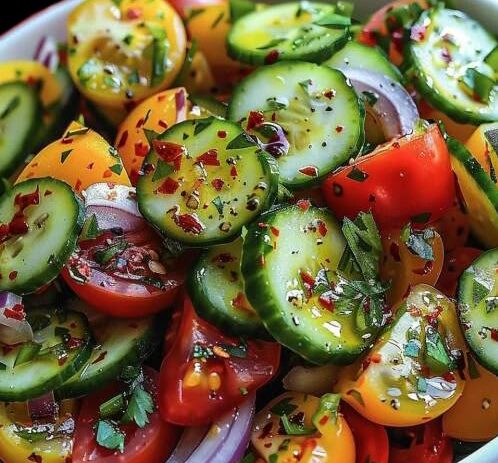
(123, 271)
(151, 444)
(406, 180)
(205, 373)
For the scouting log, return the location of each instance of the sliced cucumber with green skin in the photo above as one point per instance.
(209, 106)
(40, 221)
(359, 56)
(20, 118)
(289, 31)
(318, 110)
(63, 344)
(478, 308)
(289, 264)
(217, 291)
(445, 44)
(119, 343)
(204, 180)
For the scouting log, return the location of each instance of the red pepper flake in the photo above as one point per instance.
(123, 139)
(141, 149)
(272, 57)
(427, 268)
(376, 357)
(494, 334)
(47, 193)
(189, 223)
(29, 199)
(101, 357)
(418, 33)
(310, 171)
(74, 343)
(223, 258)
(66, 141)
(307, 278)
(140, 122)
(261, 260)
(18, 226)
(303, 204)
(36, 458)
(396, 145)
(394, 251)
(432, 317)
(7, 349)
(161, 97)
(322, 228)
(275, 231)
(16, 312)
(134, 13)
(217, 184)
(62, 360)
(339, 128)
(180, 104)
(323, 420)
(449, 376)
(326, 302)
(77, 187)
(233, 172)
(12, 275)
(329, 94)
(209, 158)
(240, 302)
(222, 134)
(255, 119)
(162, 124)
(107, 173)
(168, 151)
(168, 187)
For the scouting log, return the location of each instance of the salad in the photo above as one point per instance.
(250, 233)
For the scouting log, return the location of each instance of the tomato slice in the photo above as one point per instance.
(151, 444)
(425, 443)
(454, 265)
(205, 373)
(406, 180)
(372, 444)
(132, 282)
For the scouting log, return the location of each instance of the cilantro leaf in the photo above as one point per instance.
(90, 229)
(284, 407)
(418, 242)
(109, 436)
(295, 429)
(437, 357)
(140, 406)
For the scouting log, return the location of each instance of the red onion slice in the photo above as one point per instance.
(111, 195)
(43, 408)
(47, 54)
(14, 328)
(225, 442)
(394, 109)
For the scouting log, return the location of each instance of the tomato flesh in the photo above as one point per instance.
(406, 180)
(205, 373)
(151, 444)
(133, 282)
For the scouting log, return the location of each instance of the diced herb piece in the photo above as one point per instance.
(481, 288)
(102, 257)
(31, 434)
(28, 351)
(491, 304)
(333, 21)
(436, 355)
(3, 367)
(202, 124)
(154, 282)
(357, 396)
(418, 242)
(11, 106)
(239, 351)
(327, 409)
(242, 140)
(109, 436)
(192, 13)
(133, 77)
(117, 168)
(64, 155)
(163, 170)
(491, 59)
(284, 407)
(480, 85)
(218, 19)
(271, 44)
(88, 69)
(151, 135)
(412, 348)
(140, 406)
(90, 229)
(159, 52)
(421, 384)
(128, 38)
(277, 103)
(114, 406)
(295, 429)
(218, 203)
(77, 132)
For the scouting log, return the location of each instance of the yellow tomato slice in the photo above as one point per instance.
(15, 422)
(327, 439)
(156, 113)
(123, 52)
(475, 416)
(395, 385)
(80, 158)
(33, 73)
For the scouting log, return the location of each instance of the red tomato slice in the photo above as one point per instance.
(205, 373)
(151, 444)
(402, 181)
(133, 282)
(425, 443)
(371, 442)
(454, 265)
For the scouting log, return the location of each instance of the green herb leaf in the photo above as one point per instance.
(163, 170)
(109, 436)
(436, 354)
(87, 70)
(305, 85)
(284, 407)
(357, 175)
(491, 59)
(192, 13)
(90, 229)
(271, 44)
(479, 85)
(182, 76)
(357, 396)
(160, 47)
(202, 124)
(140, 406)
(11, 106)
(218, 19)
(418, 242)
(102, 257)
(240, 141)
(218, 203)
(64, 155)
(421, 384)
(412, 348)
(277, 103)
(151, 135)
(114, 406)
(28, 351)
(370, 97)
(295, 429)
(31, 434)
(333, 21)
(327, 409)
(77, 132)
(133, 77)
(239, 351)
(3, 367)
(117, 168)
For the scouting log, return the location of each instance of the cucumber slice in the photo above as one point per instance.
(205, 179)
(290, 266)
(290, 31)
(63, 345)
(359, 56)
(40, 220)
(20, 117)
(445, 45)
(479, 191)
(319, 111)
(119, 343)
(478, 308)
(217, 291)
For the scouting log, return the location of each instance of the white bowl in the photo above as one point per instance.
(20, 43)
